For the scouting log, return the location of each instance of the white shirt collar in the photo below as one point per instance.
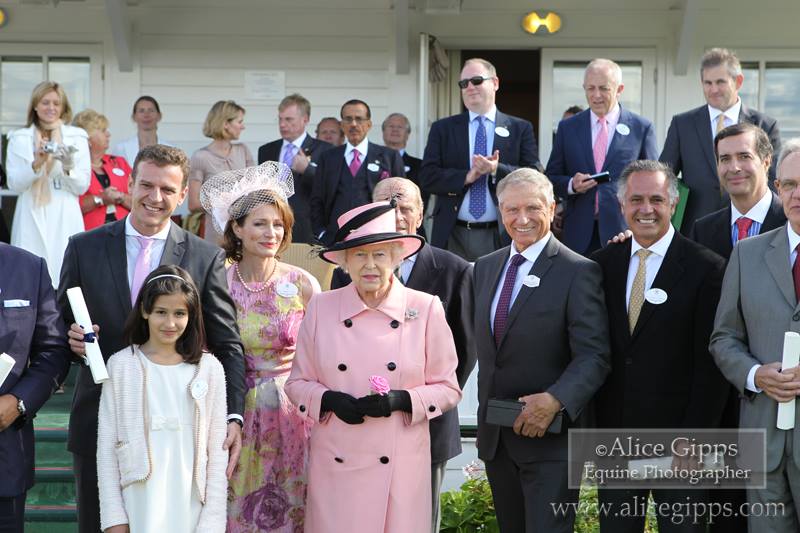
(732, 112)
(130, 231)
(490, 115)
(757, 213)
(659, 247)
(612, 117)
(531, 253)
(297, 142)
(362, 148)
(794, 238)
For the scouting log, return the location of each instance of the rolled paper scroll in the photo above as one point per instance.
(94, 358)
(6, 364)
(791, 358)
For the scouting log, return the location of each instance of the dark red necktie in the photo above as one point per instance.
(504, 302)
(743, 225)
(796, 273)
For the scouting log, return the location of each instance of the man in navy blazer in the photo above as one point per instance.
(604, 138)
(347, 174)
(462, 167)
(32, 333)
(301, 152)
(689, 147)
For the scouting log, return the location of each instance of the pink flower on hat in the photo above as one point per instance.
(379, 385)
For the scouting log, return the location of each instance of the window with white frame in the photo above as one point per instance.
(772, 87)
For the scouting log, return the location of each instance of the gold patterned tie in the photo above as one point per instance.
(637, 289)
(720, 122)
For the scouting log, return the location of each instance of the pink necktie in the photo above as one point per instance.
(288, 155)
(142, 267)
(599, 152)
(355, 164)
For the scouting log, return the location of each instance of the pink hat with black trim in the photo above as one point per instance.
(369, 224)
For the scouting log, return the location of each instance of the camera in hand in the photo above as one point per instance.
(51, 147)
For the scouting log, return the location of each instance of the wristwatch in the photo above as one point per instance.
(21, 407)
(98, 202)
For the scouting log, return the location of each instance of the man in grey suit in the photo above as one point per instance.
(689, 148)
(759, 303)
(541, 333)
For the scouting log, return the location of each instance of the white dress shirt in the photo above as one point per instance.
(531, 254)
(490, 119)
(757, 213)
(297, 143)
(731, 116)
(362, 148)
(654, 261)
(132, 247)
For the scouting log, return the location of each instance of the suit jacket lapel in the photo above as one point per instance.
(425, 270)
(777, 259)
(585, 138)
(722, 229)
(461, 136)
(500, 143)
(371, 177)
(702, 123)
(617, 286)
(775, 216)
(174, 248)
(615, 138)
(495, 270)
(668, 276)
(118, 262)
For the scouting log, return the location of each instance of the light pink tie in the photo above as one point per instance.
(355, 164)
(599, 152)
(142, 267)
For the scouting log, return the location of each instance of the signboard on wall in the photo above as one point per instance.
(264, 84)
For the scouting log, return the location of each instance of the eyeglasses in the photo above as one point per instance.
(358, 120)
(475, 80)
(787, 186)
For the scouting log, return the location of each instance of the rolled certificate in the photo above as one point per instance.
(6, 364)
(94, 358)
(791, 358)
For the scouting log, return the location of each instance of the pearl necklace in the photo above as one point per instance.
(263, 285)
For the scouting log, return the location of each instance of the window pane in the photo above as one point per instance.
(568, 87)
(749, 90)
(782, 85)
(75, 75)
(19, 76)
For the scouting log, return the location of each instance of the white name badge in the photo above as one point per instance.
(623, 129)
(372, 167)
(531, 281)
(501, 131)
(199, 389)
(406, 168)
(655, 296)
(287, 290)
(118, 172)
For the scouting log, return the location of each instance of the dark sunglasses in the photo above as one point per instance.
(475, 80)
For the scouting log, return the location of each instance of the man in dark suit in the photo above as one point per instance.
(604, 138)
(661, 291)
(689, 146)
(449, 277)
(299, 151)
(744, 156)
(466, 156)
(32, 334)
(109, 263)
(541, 335)
(347, 174)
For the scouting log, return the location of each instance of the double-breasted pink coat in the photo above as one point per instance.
(372, 477)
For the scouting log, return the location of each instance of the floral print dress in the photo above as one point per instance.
(268, 488)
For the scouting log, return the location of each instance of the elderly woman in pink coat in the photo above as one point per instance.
(375, 361)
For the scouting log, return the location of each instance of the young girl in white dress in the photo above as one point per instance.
(160, 461)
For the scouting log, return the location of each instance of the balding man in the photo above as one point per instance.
(449, 277)
(604, 138)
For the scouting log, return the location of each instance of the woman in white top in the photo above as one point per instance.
(49, 166)
(224, 124)
(146, 115)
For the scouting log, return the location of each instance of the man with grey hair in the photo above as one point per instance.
(661, 290)
(449, 277)
(689, 147)
(758, 306)
(590, 150)
(541, 334)
(466, 156)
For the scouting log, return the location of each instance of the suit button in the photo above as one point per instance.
(338, 459)
(395, 324)
(432, 408)
(796, 317)
(302, 408)
(384, 459)
(348, 323)
(391, 366)
(342, 367)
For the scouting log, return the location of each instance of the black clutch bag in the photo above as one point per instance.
(505, 412)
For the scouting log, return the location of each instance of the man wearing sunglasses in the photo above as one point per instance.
(466, 155)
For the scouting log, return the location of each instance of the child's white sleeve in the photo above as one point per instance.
(214, 513)
(112, 506)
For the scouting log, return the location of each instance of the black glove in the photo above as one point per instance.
(376, 405)
(343, 406)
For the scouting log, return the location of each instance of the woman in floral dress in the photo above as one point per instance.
(268, 488)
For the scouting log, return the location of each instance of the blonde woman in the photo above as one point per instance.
(49, 166)
(224, 124)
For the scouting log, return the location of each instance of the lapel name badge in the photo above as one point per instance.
(406, 168)
(118, 172)
(501, 131)
(623, 129)
(199, 389)
(655, 296)
(372, 167)
(287, 290)
(531, 281)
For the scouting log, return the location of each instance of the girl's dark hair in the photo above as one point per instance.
(137, 331)
(146, 99)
